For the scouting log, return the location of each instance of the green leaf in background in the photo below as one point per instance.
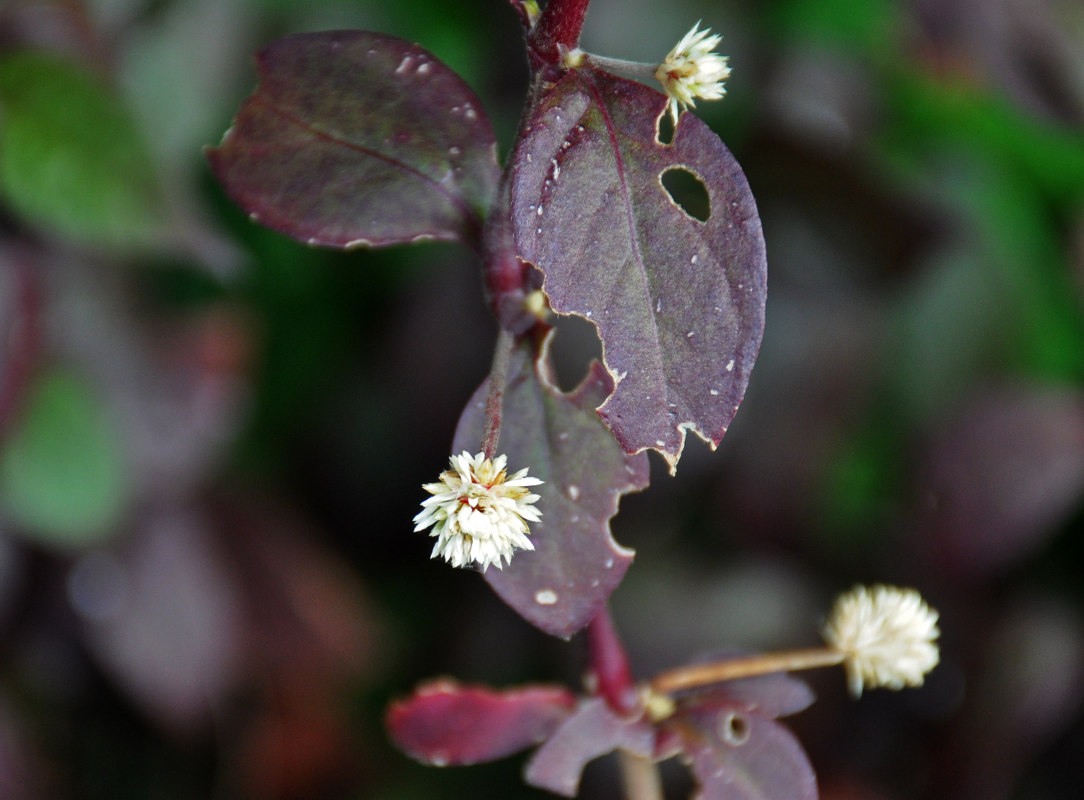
(61, 470)
(71, 159)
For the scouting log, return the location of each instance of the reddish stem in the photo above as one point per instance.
(498, 377)
(558, 27)
(609, 664)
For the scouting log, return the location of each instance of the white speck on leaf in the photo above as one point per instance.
(730, 365)
(545, 597)
(573, 492)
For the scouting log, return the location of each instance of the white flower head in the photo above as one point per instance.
(888, 637)
(692, 70)
(478, 513)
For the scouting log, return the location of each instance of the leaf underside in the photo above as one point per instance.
(354, 138)
(576, 564)
(678, 302)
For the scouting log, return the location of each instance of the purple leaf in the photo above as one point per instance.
(738, 754)
(678, 302)
(576, 564)
(1002, 477)
(444, 723)
(355, 138)
(162, 616)
(593, 731)
(775, 695)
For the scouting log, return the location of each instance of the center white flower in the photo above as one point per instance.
(478, 513)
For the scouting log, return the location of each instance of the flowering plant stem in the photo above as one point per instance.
(558, 27)
(694, 676)
(640, 777)
(498, 377)
(609, 665)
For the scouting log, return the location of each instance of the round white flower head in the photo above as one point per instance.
(692, 70)
(478, 513)
(888, 637)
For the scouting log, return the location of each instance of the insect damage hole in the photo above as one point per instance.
(664, 128)
(687, 191)
(734, 729)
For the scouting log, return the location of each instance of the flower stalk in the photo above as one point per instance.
(883, 636)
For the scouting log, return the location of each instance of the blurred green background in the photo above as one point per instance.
(212, 439)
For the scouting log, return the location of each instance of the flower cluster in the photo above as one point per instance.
(692, 70)
(888, 637)
(478, 513)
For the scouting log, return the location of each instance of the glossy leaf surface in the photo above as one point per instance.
(576, 563)
(737, 754)
(354, 138)
(448, 724)
(593, 731)
(678, 302)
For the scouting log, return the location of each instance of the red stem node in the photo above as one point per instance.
(558, 28)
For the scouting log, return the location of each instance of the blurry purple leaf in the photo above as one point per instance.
(1001, 477)
(447, 724)
(1029, 670)
(593, 731)
(738, 754)
(162, 617)
(356, 138)
(576, 563)
(678, 300)
(309, 612)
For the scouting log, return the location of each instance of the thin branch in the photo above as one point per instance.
(498, 378)
(694, 676)
(640, 777)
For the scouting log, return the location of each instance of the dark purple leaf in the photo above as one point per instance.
(678, 302)
(447, 724)
(593, 731)
(576, 564)
(1001, 477)
(738, 754)
(355, 138)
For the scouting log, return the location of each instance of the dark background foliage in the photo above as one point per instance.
(212, 439)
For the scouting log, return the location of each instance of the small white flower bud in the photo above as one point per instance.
(692, 70)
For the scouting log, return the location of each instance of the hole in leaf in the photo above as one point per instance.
(688, 192)
(575, 344)
(664, 128)
(734, 729)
